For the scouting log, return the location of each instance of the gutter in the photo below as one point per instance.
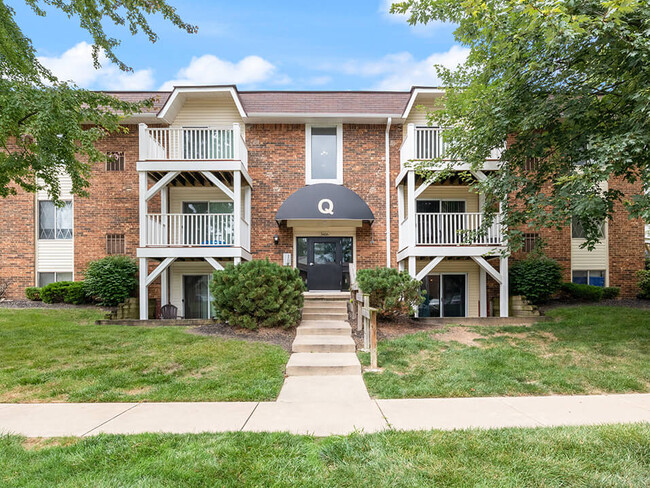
(388, 257)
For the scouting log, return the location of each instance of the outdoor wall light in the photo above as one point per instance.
(276, 239)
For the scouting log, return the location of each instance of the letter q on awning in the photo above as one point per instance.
(324, 201)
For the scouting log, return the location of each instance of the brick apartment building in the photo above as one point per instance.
(314, 180)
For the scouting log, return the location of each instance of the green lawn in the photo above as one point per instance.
(588, 349)
(605, 456)
(59, 355)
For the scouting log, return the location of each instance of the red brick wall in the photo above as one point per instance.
(276, 163)
(17, 243)
(626, 242)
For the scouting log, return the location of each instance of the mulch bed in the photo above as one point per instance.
(277, 336)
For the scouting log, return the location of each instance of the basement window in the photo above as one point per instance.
(115, 161)
(45, 278)
(115, 244)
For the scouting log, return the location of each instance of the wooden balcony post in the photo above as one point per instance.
(410, 136)
(482, 285)
(504, 302)
(237, 207)
(236, 141)
(411, 225)
(144, 289)
(142, 198)
(142, 141)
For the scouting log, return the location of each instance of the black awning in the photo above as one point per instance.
(324, 201)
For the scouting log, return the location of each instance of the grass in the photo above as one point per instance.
(58, 355)
(604, 456)
(589, 349)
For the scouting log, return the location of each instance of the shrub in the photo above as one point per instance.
(55, 292)
(391, 292)
(75, 293)
(33, 293)
(537, 278)
(258, 294)
(644, 283)
(586, 293)
(610, 292)
(111, 280)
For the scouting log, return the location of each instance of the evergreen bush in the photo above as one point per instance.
(55, 292)
(111, 280)
(75, 293)
(257, 294)
(585, 293)
(643, 277)
(610, 292)
(33, 293)
(391, 292)
(537, 278)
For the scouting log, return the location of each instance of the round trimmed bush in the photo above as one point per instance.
(257, 294)
(55, 292)
(33, 293)
(111, 280)
(536, 278)
(391, 292)
(585, 293)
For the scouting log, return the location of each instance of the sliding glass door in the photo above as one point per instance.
(446, 296)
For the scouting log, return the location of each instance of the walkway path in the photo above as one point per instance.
(321, 418)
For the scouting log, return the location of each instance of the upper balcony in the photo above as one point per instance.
(193, 144)
(425, 143)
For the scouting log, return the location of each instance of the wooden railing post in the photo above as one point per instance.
(373, 338)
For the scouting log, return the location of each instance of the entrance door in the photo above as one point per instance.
(325, 261)
(196, 296)
(445, 296)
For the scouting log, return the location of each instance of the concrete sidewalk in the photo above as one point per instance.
(330, 415)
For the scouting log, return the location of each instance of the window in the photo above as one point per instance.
(51, 277)
(589, 277)
(530, 241)
(578, 232)
(217, 229)
(54, 222)
(208, 207)
(115, 161)
(440, 206)
(115, 244)
(324, 153)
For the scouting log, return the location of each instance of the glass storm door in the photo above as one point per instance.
(445, 296)
(196, 296)
(324, 262)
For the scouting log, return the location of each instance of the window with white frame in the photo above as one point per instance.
(47, 277)
(54, 222)
(324, 154)
(594, 277)
(578, 231)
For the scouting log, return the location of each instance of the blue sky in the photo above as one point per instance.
(288, 45)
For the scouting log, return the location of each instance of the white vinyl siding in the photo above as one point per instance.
(215, 111)
(178, 195)
(55, 255)
(176, 272)
(452, 192)
(583, 259)
(418, 116)
(467, 266)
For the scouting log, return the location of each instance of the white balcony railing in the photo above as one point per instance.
(434, 229)
(423, 143)
(190, 230)
(192, 144)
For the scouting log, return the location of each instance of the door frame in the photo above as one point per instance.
(183, 275)
(466, 275)
(312, 235)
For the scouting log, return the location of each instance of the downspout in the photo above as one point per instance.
(388, 260)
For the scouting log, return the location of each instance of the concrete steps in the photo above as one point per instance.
(324, 327)
(323, 343)
(306, 315)
(323, 364)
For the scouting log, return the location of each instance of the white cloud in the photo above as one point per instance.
(400, 71)
(211, 70)
(76, 64)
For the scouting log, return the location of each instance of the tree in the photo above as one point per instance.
(567, 84)
(48, 126)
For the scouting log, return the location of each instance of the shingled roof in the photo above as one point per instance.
(343, 102)
(159, 98)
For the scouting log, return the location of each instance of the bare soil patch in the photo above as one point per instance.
(277, 336)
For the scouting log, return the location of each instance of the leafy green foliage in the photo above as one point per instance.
(569, 83)
(258, 294)
(111, 280)
(48, 126)
(391, 292)
(33, 293)
(610, 292)
(643, 277)
(585, 293)
(76, 293)
(537, 278)
(55, 292)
